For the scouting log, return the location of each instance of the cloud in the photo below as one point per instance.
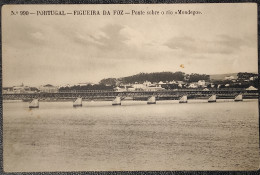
(107, 38)
(236, 42)
(133, 38)
(87, 39)
(221, 44)
(115, 42)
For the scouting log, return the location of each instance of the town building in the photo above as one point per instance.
(7, 90)
(48, 88)
(201, 83)
(19, 89)
(147, 83)
(193, 85)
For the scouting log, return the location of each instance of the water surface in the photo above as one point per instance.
(135, 136)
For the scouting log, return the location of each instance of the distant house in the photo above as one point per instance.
(48, 88)
(7, 90)
(253, 78)
(153, 88)
(139, 86)
(201, 83)
(193, 85)
(120, 88)
(147, 86)
(131, 89)
(161, 83)
(147, 83)
(21, 89)
(181, 82)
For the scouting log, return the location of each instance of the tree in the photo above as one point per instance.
(108, 81)
(245, 75)
(154, 77)
(196, 77)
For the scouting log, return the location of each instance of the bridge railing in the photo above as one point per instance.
(85, 91)
(162, 90)
(214, 90)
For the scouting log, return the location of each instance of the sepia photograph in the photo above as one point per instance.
(130, 87)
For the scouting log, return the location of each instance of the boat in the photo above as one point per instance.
(34, 103)
(212, 98)
(77, 102)
(184, 99)
(116, 101)
(151, 100)
(239, 97)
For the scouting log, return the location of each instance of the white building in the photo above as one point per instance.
(154, 88)
(253, 78)
(202, 83)
(193, 85)
(120, 88)
(21, 89)
(139, 86)
(48, 88)
(147, 83)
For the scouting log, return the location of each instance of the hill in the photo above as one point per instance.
(222, 76)
(155, 77)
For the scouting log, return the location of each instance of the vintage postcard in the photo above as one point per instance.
(148, 87)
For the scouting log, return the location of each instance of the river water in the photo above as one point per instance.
(135, 136)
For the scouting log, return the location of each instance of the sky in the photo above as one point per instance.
(70, 49)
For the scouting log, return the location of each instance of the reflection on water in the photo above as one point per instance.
(134, 136)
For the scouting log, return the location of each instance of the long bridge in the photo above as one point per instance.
(135, 95)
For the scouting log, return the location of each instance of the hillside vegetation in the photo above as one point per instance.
(156, 77)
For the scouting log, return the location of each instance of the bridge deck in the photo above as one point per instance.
(165, 94)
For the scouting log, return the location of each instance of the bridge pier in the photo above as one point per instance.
(184, 99)
(212, 98)
(116, 101)
(34, 103)
(151, 100)
(77, 102)
(239, 97)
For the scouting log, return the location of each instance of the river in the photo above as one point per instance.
(134, 136)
